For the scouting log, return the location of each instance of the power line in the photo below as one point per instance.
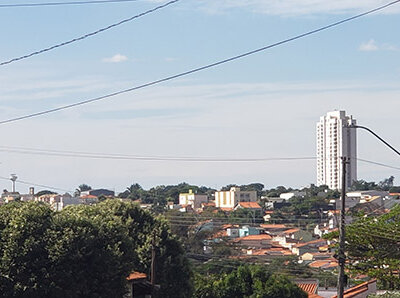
(145, 158)
(35, 184)
(378, 164)
(64, 3)
(88, 34)
(165, 79)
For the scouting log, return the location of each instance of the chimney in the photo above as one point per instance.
(31, 191)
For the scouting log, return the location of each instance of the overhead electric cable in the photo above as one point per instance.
(35, 184)
(120, 156)
(165, 79)
(378, 164)
(88, 34)
(63, 3)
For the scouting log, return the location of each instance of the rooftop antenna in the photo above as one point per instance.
(13, 178)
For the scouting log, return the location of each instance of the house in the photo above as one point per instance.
(360, 291)
(256, 241)
(98, 192)
(267, 215)
(273, 229)
(58, 202)
(313, 256)
(247, 230)
(230, 198)
(253, 206)
(272, 252)
(310, 246)
(328, 264)
(207, 205)
(139, 286)
(190, 198)
(310, 286)
(288, 195)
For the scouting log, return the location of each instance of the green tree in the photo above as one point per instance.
(85, 251)
(25, 264)
(246, 282)
(373, 247)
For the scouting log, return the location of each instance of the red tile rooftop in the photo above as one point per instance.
(354, 291)
(322, 241)
(256, 237)
(310, 288)
(89, 197)
(290, 231)
(273, 226)
(324, 263)
(226, 209)
(136, 275)
(250, 205)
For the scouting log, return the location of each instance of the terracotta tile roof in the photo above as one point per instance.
(312, 242)
(310, 288)
(290, 231)
(273, 226)
(354, 291)
(89, 197)
(314, 296)
(271, 251)
(209, 204)
(328, 263)
(136, 275)
(255, 237)
(226, 209)
(269, 211)
(250, 205)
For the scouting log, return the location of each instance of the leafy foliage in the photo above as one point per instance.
(246, 281)
(373, 247)
(85, 251)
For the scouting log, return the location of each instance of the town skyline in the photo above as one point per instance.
(264, 106)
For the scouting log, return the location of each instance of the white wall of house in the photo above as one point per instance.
(229, 199)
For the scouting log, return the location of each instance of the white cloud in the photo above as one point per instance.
(116, 59)
(297, 7)
(371, 45)
(368, 46)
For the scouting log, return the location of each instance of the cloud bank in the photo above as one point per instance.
(116, 58)
(298, 7)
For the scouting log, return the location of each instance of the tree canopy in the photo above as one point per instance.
(246, 282)
(85, 251)
(373, 247)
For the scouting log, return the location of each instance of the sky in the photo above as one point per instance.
(261, 106)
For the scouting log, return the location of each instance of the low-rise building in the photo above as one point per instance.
(190, 198)
(230, 198)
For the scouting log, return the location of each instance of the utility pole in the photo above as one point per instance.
(153, 261)
(341, 255)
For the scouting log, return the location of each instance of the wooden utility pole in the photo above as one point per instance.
(153, 261)
(341, 255)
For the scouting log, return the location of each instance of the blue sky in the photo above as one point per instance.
(265, 105)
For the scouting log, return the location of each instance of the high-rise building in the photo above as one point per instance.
(334, 140)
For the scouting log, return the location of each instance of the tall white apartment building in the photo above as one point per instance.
(334, 140)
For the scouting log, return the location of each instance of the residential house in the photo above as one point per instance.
(288, 195)
(190, 198)
(361, 290)
(230, 198)
(310, 286)
(256, 241)
(247, 230)
(98, 192)
(310, 246)
(327, 264)
(139, 286)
